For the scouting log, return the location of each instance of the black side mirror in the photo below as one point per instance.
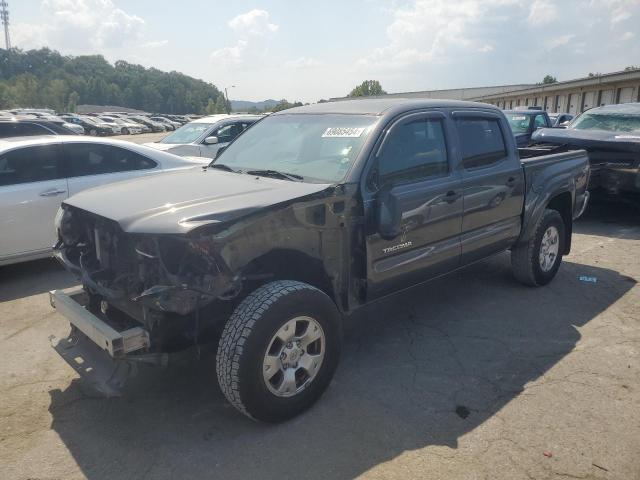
(389, 215)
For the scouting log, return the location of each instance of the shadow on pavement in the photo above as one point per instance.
(608, 218)
(413, 366)
(31, 278)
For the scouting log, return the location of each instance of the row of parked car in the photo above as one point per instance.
(34, 122)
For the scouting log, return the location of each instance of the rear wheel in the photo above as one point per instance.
(537, 261)
(279, 350)
(125, 131)
(93, 132)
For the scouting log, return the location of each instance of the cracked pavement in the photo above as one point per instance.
(471, 376)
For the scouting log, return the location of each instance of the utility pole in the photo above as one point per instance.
(4, 16)
(226, 94)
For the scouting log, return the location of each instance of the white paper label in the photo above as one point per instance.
(342, 132)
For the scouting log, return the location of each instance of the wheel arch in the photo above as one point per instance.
(563, 204)
(290, 264)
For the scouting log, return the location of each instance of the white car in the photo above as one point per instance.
(205, 136)
(38, 173)
(125, 127)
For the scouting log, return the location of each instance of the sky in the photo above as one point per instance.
(307, 50)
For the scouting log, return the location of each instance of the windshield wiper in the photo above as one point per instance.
(221, 166)
(277, 174)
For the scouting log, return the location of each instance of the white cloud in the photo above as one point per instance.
(627, 36)
(251, 30)
(81, 26)
(430, 29)
(542, 12)
(560, 40)
(156, 44)
(255, 22)
(302, 62)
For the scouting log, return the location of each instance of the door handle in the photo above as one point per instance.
(52, 193)
(451, 196)
(511, 181)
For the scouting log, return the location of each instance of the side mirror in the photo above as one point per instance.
(389, 215)
(211, 140)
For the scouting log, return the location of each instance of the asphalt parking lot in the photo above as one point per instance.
(472, 376)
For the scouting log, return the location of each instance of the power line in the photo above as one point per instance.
(4, 16)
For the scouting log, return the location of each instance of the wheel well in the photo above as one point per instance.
(288, 265)
(563, 204)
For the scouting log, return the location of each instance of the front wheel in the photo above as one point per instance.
(93, 132)
(537, 261)
(279, 350)
(125, 131)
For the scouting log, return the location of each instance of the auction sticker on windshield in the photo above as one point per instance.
(342, 132)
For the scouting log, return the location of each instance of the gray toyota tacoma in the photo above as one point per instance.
(308, 215)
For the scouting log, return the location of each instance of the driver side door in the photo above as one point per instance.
(417, 172)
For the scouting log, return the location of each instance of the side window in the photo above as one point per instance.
(95, 159)
(482, 143)
(30, 164)
(416, 150)
(228, 132)
(28, 129)
(539, 122)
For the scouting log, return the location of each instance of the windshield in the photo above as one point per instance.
(188, 133)
(319, 148)
(613, 122)
(519, 123)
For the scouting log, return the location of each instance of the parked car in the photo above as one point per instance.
(524, 122)
(611, 135)
(38, 173)
(560, 119)
(309, 215)
(170, 125)
(154, 126)
(92, 125)
(205, 136)
(29, 127)
(125, 127)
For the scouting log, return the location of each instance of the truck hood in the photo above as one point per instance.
(589, 139)
(178, 202)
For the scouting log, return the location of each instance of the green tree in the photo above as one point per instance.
(211, 107)
(72, 103)
(221, 104)
(45, 78)
(367, 88)
(548, 79)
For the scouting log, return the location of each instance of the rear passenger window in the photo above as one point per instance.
(30, 164)
(415, 151)
(16, 129)
(95, 159)
(481, 142)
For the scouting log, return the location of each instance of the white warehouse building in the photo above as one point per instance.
(572, 96)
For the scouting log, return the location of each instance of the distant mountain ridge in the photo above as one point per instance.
(245, 105)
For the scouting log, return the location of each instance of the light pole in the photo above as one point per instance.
(4, 16)
(226, 95)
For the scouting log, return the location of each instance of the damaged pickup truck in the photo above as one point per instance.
(307, 216)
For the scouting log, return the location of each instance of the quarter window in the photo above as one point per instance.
(30, 164)
(416, 150)
(481, 140)
(539, 122)
(95, 159)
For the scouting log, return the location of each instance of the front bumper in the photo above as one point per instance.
(95, 350)
(71, 305)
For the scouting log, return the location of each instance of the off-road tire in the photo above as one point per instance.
(245, 339)
(525, 257)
